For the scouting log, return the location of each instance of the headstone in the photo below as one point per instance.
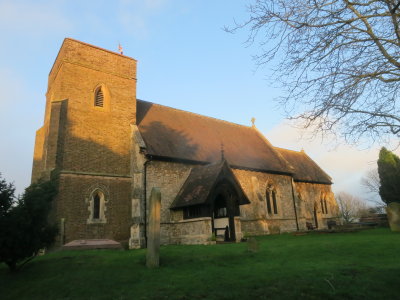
(331, 224)
(153, 235)
(252, 245)
(62, 231)
(393, 213)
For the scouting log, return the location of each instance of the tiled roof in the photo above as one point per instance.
(305, 169)
(177, 134)
(201, 182)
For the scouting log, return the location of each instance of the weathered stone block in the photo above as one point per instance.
(153, 238)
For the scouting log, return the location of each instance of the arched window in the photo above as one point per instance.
(274, 202)
(99, 98)
(326, 206)
(270, 197)
(97, 207)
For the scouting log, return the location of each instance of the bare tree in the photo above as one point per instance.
(338, 60)
(371, 181)
(350, 207)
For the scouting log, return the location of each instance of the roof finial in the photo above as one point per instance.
(120, 50)
(253, 121)
(222, 152)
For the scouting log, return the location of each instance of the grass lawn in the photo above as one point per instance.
(361, 265)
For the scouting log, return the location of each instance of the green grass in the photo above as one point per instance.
(362, 265)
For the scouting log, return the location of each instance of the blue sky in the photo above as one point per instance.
(185, 60)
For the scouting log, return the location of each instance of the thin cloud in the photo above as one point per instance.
(346, 164)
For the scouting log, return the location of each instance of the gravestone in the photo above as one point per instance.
(252, 245)
(62, 231)
(153, 236)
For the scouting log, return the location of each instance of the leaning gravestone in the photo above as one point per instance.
(153, 236)
(393, 213)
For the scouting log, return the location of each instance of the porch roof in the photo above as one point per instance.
(201, 182)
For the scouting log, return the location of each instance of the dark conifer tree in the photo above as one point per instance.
(389, 174)
(24, 226)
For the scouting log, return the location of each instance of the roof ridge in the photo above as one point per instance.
(196, 114)
(290, 150)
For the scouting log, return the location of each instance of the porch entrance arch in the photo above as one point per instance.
(212, 191)
(224, 208)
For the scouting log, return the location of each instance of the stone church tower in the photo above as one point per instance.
(108, 149)
(86, 139)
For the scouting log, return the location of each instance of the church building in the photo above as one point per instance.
(107, 149)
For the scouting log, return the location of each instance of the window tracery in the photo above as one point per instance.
(97, 207)
(271, 199)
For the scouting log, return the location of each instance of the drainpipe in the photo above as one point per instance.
(294, 205)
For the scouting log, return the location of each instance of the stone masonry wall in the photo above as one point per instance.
(72, 204)
(254, 216)
(310, 195)
(96, 139)
(38, 167)
(169, 177)
(254, 219)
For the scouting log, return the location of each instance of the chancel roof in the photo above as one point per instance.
(305, 169)
(201, 182)
(177, 134)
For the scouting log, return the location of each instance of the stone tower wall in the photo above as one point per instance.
(86, 146)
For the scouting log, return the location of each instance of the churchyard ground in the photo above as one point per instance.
(358, 265)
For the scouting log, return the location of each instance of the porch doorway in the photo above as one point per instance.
(224, 209)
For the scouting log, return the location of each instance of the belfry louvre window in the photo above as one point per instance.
(99, 98)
